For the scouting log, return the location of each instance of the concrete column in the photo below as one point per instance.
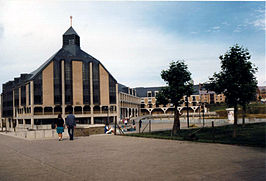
(19, 97)
(120, 110)
(7, 124)
(127, 113)
(11, 123)
(31, 104)
(63, 89)
(91, 94)
(14, 108)
(92, 115)
(32, 122)
(108, 114)
(24, 123)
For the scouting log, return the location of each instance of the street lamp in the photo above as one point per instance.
(187, 112)
(203, 114)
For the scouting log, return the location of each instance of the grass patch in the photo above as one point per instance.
(250, 135)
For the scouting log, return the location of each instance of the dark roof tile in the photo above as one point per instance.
(70, 31)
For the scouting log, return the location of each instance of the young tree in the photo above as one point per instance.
(236, 79)
(179, 83)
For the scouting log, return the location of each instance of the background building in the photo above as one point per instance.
(129, 102)
(196, 101)
(261, 93)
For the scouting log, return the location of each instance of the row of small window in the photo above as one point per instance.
(24, 110)
(149, 93)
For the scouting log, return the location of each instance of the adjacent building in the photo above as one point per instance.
(129, 102)
(196, 102)
(261, 93)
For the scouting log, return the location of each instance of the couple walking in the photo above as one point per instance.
(70, 123)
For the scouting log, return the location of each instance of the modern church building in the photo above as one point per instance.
(70, 81)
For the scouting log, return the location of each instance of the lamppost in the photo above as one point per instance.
(199, 110)
(107, 115)
(203, 114)
(187, 112)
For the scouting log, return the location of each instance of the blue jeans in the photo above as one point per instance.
(71, 132)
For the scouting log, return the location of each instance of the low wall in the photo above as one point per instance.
(80, 130)
(86, 131)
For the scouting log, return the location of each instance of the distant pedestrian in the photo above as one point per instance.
(134, 124)
(140, 122)
(71, 124)
(14, 124)
(126, 122)
(59, 124)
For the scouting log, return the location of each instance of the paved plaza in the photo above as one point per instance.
(109, 157)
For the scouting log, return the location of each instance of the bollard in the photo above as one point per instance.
(140, 124)
(115, 126)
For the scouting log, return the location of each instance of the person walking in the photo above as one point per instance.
(71, 124)
(134, 124)
(59, 124)
(140, 122)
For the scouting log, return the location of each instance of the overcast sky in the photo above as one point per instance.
(133, 40)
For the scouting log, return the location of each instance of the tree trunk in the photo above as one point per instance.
(176, 126)
(235, 120)
(244, 115)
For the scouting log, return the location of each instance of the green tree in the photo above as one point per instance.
(179, 83)
(236, 80)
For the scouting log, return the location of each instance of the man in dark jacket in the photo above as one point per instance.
(71, 124)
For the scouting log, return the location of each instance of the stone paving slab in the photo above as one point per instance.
(109, 157)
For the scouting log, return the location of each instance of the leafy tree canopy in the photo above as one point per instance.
(236, 78)
(179, 83)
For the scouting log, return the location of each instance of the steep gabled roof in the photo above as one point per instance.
(46, 63)
(142, 91)
(80, 54)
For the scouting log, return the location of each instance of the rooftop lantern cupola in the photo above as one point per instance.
(70, 37)
(71, 40)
